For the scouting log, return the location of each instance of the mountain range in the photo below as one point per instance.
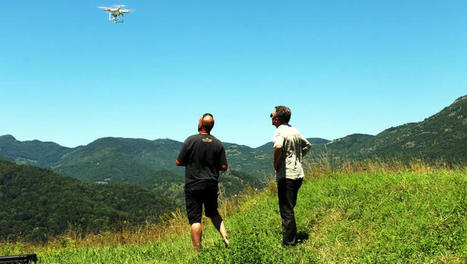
(126, 160)
(120, 179)
(441, 137)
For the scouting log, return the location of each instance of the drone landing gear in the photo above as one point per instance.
(116, 20)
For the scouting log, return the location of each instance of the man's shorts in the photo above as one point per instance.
(194, 204)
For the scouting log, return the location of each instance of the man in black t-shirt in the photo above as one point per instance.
(203, 156)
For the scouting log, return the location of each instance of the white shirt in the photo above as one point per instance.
(294, 148)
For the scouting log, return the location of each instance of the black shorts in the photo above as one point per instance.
(194, 204)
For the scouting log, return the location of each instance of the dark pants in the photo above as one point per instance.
(287, 191)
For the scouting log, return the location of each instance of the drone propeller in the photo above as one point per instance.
(118, 6)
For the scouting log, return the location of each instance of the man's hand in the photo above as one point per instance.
(277, 157)
(179, 163)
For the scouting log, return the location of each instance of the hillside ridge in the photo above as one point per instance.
(125, 160)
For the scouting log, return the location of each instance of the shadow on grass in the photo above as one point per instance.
(302, 237)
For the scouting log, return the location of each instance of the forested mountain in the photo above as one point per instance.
(442, 136)
(150, 164)
(36, 203)
(119, 160)
(314, 141)
(34, 153)
(256, 161)
(3, 158)
(125, 160)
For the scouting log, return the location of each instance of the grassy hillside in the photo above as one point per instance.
(442, 135)
(378, 216)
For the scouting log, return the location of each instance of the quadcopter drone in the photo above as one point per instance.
(115, 12)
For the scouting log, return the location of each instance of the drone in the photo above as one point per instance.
(115, 12)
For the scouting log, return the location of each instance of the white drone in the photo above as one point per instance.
(115, 12)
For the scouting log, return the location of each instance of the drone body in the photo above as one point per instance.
(116, 12)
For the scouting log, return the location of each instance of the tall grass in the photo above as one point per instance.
(370, 211)
(320, 166)
(169, 226)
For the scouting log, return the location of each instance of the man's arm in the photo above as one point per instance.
(182, 157)
(223, 160)
(277, 157)
(278, 141)
(306, 146)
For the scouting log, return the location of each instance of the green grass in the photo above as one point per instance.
(406, 217)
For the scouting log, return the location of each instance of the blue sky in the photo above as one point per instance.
(70, 76)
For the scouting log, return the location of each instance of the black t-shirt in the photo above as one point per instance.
(203, 155)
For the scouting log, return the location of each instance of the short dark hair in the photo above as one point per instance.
(283, 113)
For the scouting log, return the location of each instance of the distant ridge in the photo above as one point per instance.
(125, 160)
(35, 152)
(119, 160)
(314, 141)
(442, 136)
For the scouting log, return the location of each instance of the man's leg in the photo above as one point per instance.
(194, 209)
(287, 192)
(292, 188)
(196, 232)
(219, 224)
(210, 206)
